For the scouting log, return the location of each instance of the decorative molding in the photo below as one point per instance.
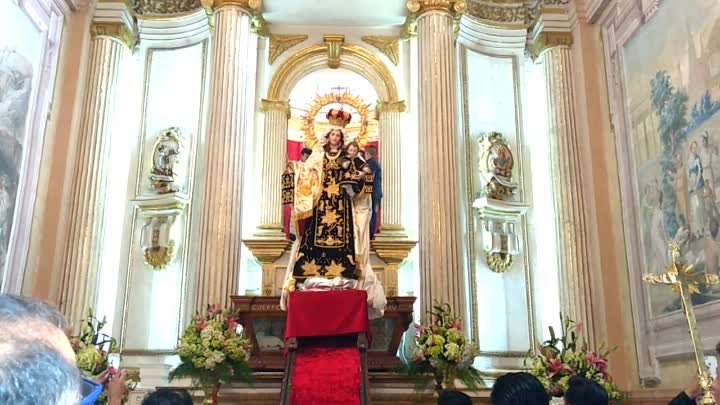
(499, 237)
(116, 31)
(393, 251)
(595, 8)
(409, 28)
(513, 13)
(281, 43)
(164, 8)
(547, 40)
(274, 105)
(357, 59)
(334, 44)
(250, 6)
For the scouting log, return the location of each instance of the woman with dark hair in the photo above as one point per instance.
(519, 389)
(582, 391)
(329, 254)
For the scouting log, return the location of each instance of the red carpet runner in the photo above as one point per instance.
(326, 376)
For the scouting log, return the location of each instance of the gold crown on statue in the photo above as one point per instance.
(338, 118)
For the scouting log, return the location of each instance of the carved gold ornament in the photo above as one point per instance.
(496, 164)
(281, 43)
(159, 257)
(499, 262)
(333, 98)
(506, 13)
(389, 46)
(152, 8)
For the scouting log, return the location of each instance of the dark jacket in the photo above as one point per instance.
(377, 184)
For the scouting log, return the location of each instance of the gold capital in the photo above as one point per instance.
(334, 45)
(390, 106)
(250, 6)
(275, 105)
(419, 7)
(116, 31)
(547, 40)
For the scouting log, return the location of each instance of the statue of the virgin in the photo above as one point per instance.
(331, 194)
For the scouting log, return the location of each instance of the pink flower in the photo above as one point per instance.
(213, 309)
(232, 324)
(598, 362)
(202, 325)
(557, 367)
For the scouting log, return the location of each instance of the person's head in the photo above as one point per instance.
(454, 398)
(168, 396)
(335, 138)
(518, 389)
(33, 373)
(305, 153)
(371, 152)
(582, 391)
(19, 314)
(352, 149)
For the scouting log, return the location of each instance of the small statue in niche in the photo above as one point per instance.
(166, 154)
(496, 166)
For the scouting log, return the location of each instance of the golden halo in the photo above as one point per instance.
(322, 100)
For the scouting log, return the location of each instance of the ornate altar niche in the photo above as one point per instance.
(264, 323)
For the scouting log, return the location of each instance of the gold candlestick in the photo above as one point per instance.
(685, 282)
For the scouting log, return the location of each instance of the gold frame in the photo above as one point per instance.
(331, 98)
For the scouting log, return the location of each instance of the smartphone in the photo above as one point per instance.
(114, 361)
(712, 364)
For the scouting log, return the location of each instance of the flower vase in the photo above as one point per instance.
(211, 394)
(445, 379)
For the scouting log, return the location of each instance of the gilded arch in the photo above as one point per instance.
(354, 58)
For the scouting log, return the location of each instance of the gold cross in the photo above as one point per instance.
(685, 282)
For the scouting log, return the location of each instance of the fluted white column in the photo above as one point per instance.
(574, 251)
(220, 224)
(86, 215)
(391, 159)
(274, 161)
(440, 229)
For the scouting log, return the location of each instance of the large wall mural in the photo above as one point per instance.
(19, 58)
(673, 93)
(664, 74)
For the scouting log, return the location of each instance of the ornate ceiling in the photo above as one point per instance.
(510, 12)
(149, 8)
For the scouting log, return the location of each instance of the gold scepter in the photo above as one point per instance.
(685, 282)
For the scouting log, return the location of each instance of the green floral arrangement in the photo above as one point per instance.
(213, 352)
(92, 348)
(443, 352)
(561, 358)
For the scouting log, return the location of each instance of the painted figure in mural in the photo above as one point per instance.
(333, 250)
(5, 208)
(711, 248)
(658, 234)
(706, 159)
(680, 179)
(696, 189)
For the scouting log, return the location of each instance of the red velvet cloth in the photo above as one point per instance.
(326, 376)
(327, 313)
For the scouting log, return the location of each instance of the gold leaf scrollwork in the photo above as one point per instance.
(547, 40)
(150, 8)
(499, 262)
(159, 257)
(389, 46)
(281, 43)
(514, 13)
